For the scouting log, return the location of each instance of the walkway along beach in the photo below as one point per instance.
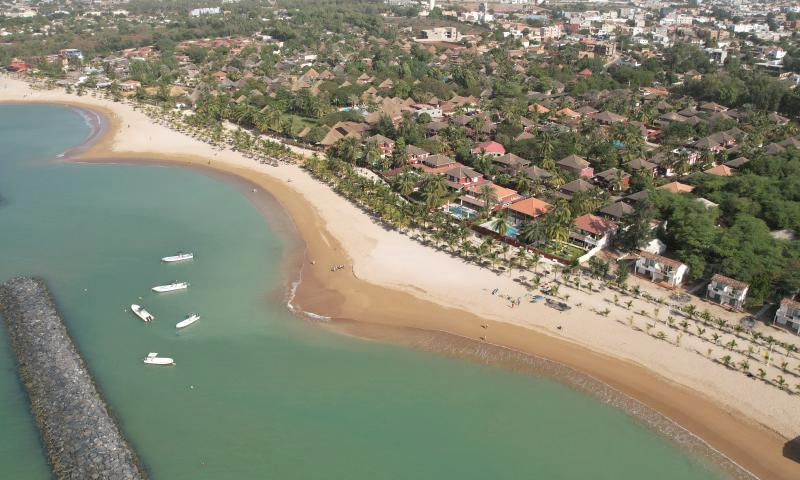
(393, 281)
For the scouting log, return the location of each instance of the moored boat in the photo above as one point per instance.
(140, 312)
(190, 319)
(153, 359)
(171, 287)
(178, 257)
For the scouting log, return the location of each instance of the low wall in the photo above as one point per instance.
(82, 440)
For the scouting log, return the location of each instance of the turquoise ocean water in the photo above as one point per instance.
(258, 393)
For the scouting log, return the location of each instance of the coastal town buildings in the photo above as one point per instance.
(599, 112)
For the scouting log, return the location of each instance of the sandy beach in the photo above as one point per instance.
(395, 289)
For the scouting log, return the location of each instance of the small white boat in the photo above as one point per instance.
(154, 359)
(171, 287)
(190, 319)
(142, 313)
(178, 257)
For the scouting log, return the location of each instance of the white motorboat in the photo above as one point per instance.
(171, 287)
(154, 359)
(178, 257)
(190, 319)
(142, 313)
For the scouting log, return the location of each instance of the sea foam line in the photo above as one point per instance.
(293, 308)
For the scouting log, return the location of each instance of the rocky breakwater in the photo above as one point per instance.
(82, 440)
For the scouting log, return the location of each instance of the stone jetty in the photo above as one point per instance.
(81, 438)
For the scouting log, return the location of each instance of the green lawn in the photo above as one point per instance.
(563, 250)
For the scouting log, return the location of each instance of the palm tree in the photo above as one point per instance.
(370, 155)
(434, 190)
(726, 360)
(487, 193)
(744, 365)
(500, 224)
(532, 232)
(405, 184)
(523, 183)
(546, 146)
(476, 124)
(533, 262)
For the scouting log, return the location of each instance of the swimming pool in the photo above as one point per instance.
(511, 231)
(461, 211)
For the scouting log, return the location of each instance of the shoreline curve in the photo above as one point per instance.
(351, 302)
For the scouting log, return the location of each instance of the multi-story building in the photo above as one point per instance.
(727, 291)
(789, 314)
(442, 34)
(591, 231)
(661, 269)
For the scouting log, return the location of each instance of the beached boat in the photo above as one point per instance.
(153, 359)
(178, 257)
(140, 312)
(171, 287)
(190, 319)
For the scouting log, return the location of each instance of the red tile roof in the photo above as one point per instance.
(677, 187)
(790, 303)
(489, 147)
(532, 207)
(660, 259)
(720, 170)
(729, 281)
(594, 224)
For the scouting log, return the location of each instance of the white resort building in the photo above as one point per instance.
(661, 269)
(727, 291)
(788, 314)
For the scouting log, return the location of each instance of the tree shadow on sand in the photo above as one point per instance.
(791, 449)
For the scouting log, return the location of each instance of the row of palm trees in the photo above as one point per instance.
(420, 219)
(214, 132)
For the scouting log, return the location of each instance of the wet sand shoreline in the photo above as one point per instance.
(371, 311)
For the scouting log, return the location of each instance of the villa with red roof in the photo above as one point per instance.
(526, 210)
(384, 144)
(592, 232)
(461, 176)
(503, 196)
(489, 148)
(720, 171)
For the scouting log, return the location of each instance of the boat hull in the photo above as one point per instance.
(159, 361)
(143, 314)
(153, 359)
(170, 288)
(177, 258)
(187, 322)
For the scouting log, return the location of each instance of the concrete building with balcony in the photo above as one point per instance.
(788, 314)
(661, 269)
(728, 292)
